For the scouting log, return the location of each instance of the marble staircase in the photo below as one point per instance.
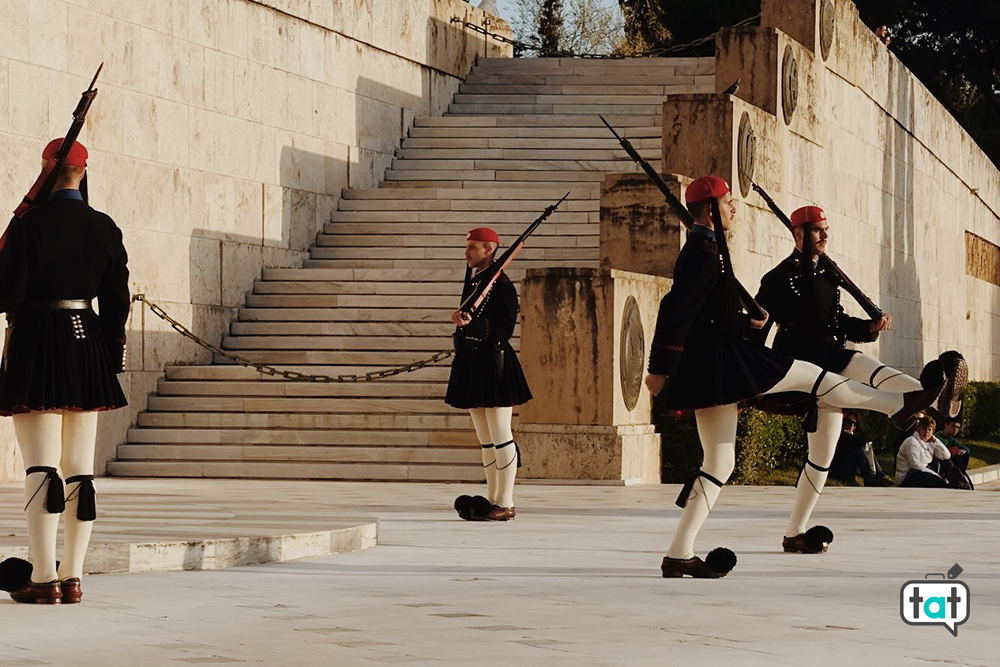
(386, 272)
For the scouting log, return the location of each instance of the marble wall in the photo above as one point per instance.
(222, 135)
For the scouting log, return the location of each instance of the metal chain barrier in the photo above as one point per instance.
(526, 46)
(293, 376)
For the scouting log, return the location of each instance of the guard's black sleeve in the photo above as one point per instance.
(695, 274)
(13, 266)
(856, 329)
(113, 296)
(773, 298)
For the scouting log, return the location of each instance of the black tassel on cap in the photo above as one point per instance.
(55, 498)
(86, 507)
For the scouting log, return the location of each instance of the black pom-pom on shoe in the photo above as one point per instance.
(813, 541)
(721, 559)
(819, 536)
(463, 505)
(932, 375)
(15, 573)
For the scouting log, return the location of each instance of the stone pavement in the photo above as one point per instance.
(573, 581)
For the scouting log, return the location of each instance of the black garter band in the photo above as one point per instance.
(813, 465)
(86, 507)
(517, 453)
(55, 499)
(682, 498)
(811, 420)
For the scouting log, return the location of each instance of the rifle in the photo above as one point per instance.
(474, 300)
(752, 307)
(42, 187)
(824, 262)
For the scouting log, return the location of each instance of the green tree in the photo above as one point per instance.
(550, 25)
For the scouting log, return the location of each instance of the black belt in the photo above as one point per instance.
(63, 304)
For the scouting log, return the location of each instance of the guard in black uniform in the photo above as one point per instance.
(701, 359)
(487, 380)
(59, 365)
(804, 300)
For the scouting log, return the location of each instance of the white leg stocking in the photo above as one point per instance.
(498, 420)
(79, 437)
(717, 432)
(489, 451)
(872, 372)
(822, 445)
(837, 391)
(39, 437)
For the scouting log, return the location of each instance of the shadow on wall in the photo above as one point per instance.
(899, 278)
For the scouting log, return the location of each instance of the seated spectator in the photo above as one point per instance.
(924, 462)
(959, 452)
(851, 457)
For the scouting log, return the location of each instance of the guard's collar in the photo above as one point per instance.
(704, 231)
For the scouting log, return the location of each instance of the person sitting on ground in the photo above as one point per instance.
(924, 462)
(959, 452)
(851, 457)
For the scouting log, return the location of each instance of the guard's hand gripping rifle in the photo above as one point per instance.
(46, 180)
(490, 275)
(824, 262)
(752, 307)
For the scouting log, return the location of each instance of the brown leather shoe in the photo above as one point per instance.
(48, 593)
(692, 567)
(71, 591)
(498, 513)
(957, 372)
(933, 380)
(800, 545)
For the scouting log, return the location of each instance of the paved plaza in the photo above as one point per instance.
(573, 581)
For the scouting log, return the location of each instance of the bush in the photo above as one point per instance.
(764, 443)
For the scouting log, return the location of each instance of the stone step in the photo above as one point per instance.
(271, 313)
(455, 421)
(435, 390)
(402, 219)
(681, 82)
(548, 234)
(529, 109)
(426, 275)
(350, 301)
(538, 85)
(446, 239)
(532, 252)
(359, 329)
(284, 437)
(290, 405)
(560, 133)
(374, 360)
(618, 66)
(491, 167)
(315, 470)
(510, 144)
(373, 453)
(586, 192)
(388, 344)
(422, 207)
(651, 119)
(478, 155)
(452, 287)
(415, 264)
(616, 102)
(430, 374)
(539, 178)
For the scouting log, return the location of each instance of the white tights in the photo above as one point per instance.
(823, 443)
(499, 452)
(717, 432)
(64, 440)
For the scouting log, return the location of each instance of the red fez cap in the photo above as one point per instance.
(484, 234)
(77, 154)
(807, 214)
(704, 188)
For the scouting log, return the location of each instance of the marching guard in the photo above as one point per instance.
(487, 380)
(803, 299)
(59, 365)
(700, 359)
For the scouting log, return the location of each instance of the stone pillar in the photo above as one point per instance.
(639, 231)
(584, 336)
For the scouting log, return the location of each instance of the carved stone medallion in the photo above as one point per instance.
(745, 149)
(827, 26)
(632, 355)
(789, 84)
